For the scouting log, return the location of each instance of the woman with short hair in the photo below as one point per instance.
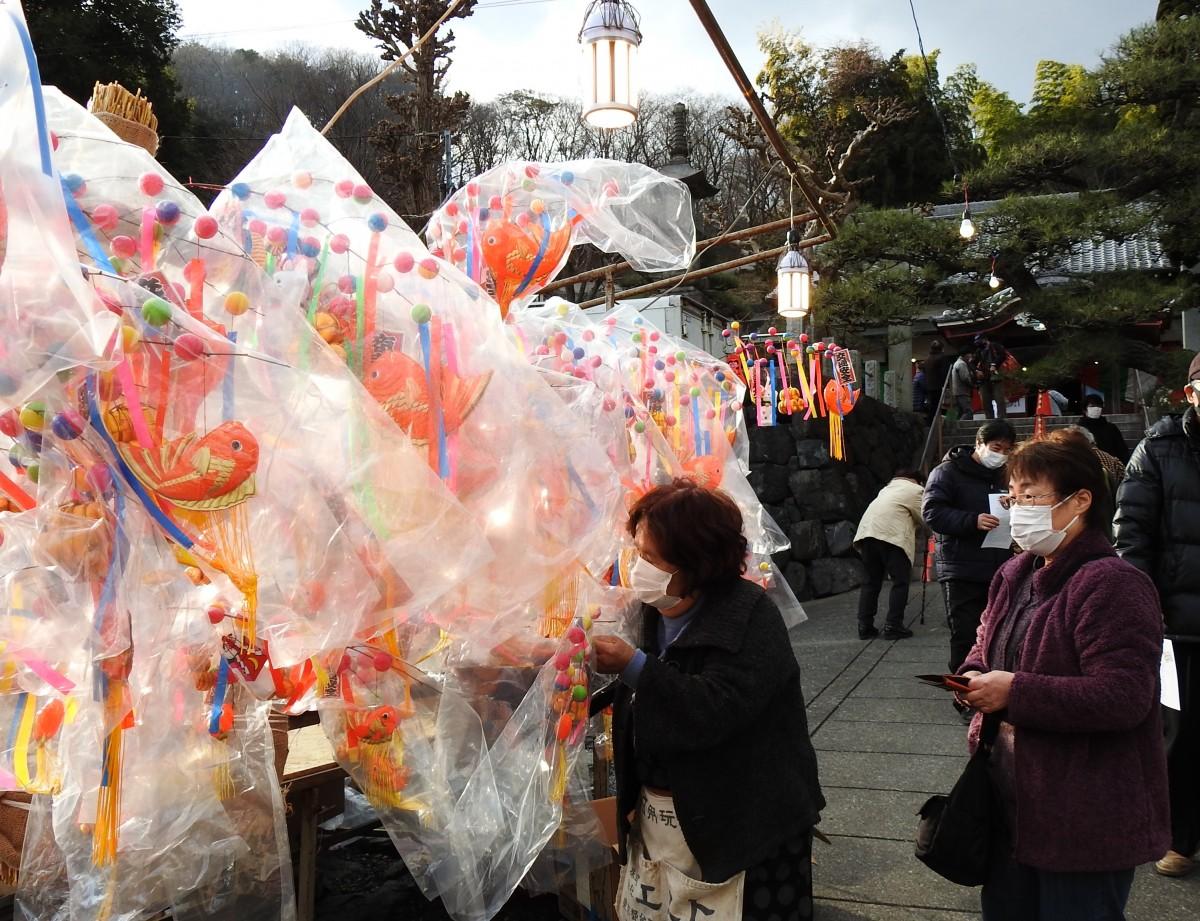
(717, 789)
(1068, 656)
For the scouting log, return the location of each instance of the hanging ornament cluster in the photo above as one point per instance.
(786, 376)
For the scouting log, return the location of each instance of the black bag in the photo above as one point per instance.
(955, 833)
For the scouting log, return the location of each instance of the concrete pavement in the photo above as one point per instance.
(885, 743)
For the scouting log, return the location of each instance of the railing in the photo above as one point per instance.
(933, 438)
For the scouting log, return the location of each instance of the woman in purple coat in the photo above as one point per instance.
(1068, 652)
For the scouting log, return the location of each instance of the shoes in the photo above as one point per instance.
(896, 633)
(867, 633)
(1175, 864)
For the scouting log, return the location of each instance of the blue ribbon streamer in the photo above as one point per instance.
(84, 227)
(214, 718)
(427, 351)
(128, 475)
(696, 425)
(39, 103)
(293, 242)
(537, 260)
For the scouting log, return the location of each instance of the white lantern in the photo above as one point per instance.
(794, 278)
(610, 37)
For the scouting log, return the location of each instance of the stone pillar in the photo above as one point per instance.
(856, 360)
(890, 388)
(871, 379)
(900, 354)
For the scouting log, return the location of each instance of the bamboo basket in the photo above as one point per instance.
(130, 116)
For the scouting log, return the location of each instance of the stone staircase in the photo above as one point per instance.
(1132, 426)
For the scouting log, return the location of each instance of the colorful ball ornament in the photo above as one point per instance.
(339, 243)
(156, 312)
(384, 282)
(105, 217)
(123, 247)
(421, 313)
(344, 188)
(362, 193)
(276, 235)
(310, 217)
(74, 183)
(274, 199)
(130, 338)
(167, 212)
(258, 227)
(377, 222)
(347, 284)
(10, 423)
(240, 191)
(67, 425)
(206, 227)
(302, 179)
(428, 269)
(33, 416)
(404, 263)
(311, 247)
(236, 303)
(189, 347)
(151, 184)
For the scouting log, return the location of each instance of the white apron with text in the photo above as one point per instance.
(658, 881)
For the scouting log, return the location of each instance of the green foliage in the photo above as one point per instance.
(82, 42)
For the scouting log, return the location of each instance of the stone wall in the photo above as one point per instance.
(818, 501)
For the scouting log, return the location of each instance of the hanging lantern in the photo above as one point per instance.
(793, 283)
(610, 37)
(966, 229)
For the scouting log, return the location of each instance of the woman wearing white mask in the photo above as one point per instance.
(958, 508)
(1068, 653)
(717, 789)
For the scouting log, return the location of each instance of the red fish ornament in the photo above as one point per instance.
(400, 385)
(522, 260)
(208, 474)
(376, 726)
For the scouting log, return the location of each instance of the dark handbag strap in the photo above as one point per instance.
(989, 730)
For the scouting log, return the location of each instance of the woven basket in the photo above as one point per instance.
(133, 132)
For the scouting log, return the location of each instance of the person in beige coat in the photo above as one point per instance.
(886, 540)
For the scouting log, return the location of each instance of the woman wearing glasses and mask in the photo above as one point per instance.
(717, 790)
(1068, 654)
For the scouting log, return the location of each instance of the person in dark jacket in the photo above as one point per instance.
(1068, 654)
(989, 360)
(937, 369)
(958, 510)
(716, 776)
(920, 387)
(1158, 531)
(1107, 436)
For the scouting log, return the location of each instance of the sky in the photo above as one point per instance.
(531, 44)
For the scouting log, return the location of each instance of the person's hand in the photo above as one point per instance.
(612, 654)
(987, 522)
(961, 696)
(989, 693)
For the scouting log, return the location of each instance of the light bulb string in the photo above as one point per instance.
(932, 89)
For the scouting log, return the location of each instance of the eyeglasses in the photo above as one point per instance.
(1194, 386)
(1007, 502)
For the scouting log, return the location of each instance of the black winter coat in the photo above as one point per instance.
(722, 712)
(1108, 437)
(1158, 518)
(956, 494)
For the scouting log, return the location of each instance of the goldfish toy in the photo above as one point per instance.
(523, 260)
(399, 384)
(376, 725)
(208, 474)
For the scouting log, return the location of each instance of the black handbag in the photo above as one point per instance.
(956, 833)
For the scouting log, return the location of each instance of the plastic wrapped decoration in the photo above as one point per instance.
(679, 413)
(410, 325)
(512, 228)
(50, 320)
(311, 504)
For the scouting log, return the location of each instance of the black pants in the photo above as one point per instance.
(965, 602)
(993, 390)
(881, 558)
(1183, 752)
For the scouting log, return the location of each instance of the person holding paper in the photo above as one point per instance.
(958, 509)
(1068, 653)
(1157, 529)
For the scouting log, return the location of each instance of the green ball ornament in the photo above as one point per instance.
(421, 313)
(156, 312)
(695, 391)
(579, 693)
(639, 427)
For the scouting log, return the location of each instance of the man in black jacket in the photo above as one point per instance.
(957, 509)
(937, 369)
(1158, 531)
(1107, 437)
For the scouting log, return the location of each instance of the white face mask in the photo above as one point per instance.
(1033, 528)
(993, 460)
(650, 583)
(1094, 412)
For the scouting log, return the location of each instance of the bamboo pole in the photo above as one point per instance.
(709, 21)
(387, 71)
(710, 270)
(744, 234)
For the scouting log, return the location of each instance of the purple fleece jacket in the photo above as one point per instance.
(1091, 774)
